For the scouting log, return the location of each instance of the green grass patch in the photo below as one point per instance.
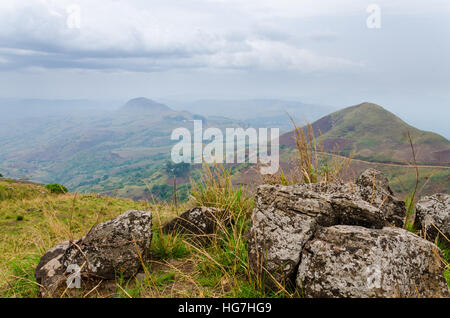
(167, 246)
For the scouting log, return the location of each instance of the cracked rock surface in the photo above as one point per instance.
(352, 261)
(286, 217)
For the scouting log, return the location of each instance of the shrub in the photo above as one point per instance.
(56, 188)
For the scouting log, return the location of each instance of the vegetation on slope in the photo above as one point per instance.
(372, 133)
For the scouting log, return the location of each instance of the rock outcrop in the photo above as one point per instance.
(286, 217)
(114, 247)
(352, 261)
(433, 213)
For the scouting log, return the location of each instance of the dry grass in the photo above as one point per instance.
(312, 164)
(224, 263)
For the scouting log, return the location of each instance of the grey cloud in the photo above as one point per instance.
(157, 46)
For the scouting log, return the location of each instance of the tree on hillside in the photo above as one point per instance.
(57, 188)
(176, 170)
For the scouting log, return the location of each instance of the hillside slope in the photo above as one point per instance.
(108, 151)
(374, 134)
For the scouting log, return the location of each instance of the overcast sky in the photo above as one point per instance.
(309, 50)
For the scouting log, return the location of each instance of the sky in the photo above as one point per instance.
(332, 52)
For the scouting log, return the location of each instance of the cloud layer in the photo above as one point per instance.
(148, 36)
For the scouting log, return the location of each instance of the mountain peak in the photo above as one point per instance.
(369, 105)
(142, 104)
(365, 106)
(373, 133)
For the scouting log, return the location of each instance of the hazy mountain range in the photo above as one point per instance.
(258, 112)
(125, 148)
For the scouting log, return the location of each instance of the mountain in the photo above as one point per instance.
(257, 112)
(378, 139)
(372, 133)
(126, 150)
(144, 105)
(123, 150)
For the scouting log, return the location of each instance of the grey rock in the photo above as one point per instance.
(374, 179)
(373, 187)
(199, 221)
(353, 261)
(431, 212)
(285, 218)
(116, 246)
(49, 272)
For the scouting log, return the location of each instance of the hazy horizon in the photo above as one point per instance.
(323, 54)
(183, 104)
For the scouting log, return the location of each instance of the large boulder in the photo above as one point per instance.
(286, 217)
(433, 213)
(114, 247)
(353, 261)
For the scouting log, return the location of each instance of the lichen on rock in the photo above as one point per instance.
(286, 217)
(351, 261)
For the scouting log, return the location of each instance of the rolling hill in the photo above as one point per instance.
(99, 152)
(374, 134)
(125, 151)
(378, 139)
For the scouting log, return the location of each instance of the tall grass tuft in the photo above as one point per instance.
(312, 164)
(216, 189)
(224, 263)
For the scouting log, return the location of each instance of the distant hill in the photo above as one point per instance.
(142, 104)
(372, 133)
(257, 112)
(124, 150)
